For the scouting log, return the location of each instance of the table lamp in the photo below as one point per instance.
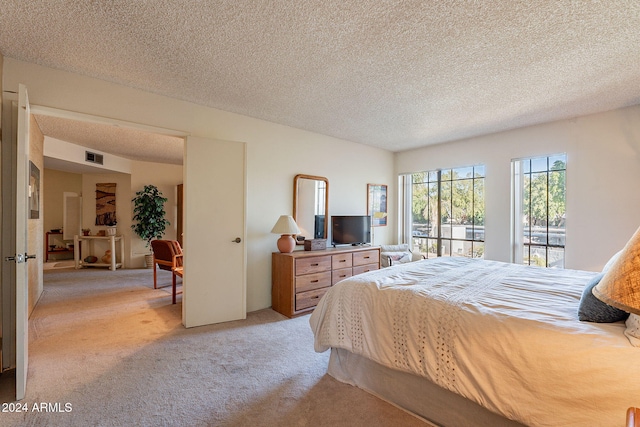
(286, 226)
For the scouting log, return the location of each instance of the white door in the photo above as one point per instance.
(22, 212)
(71, 215)
(214, 232)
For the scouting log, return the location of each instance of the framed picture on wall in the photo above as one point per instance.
(34, 191)
(377, 204)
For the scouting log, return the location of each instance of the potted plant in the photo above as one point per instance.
(111, 226)
(148, 211)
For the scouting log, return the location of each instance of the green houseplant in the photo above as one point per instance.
(148, 211)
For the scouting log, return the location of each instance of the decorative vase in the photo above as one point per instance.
(111, 231)
(148, 261)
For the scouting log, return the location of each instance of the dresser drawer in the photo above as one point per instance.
(364, 268)
(343, 273)
(314, 264)
(341, 261)
(309, 282)
(366, 257)
(309, 298)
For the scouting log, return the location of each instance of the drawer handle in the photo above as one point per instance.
(314, 281)
(315, 297)
(366, 257)
(344, 275)
(314, 265)
(342, 260)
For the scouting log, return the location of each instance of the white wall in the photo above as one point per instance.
(123, 211)
(603, 168)
(275, 154)
(73, 153)
(55, 184)
(35, 230)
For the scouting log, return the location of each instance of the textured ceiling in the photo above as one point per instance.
(395, 74)
(128, 143)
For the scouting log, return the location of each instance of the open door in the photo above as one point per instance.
(71, 215)
(214, 232)
(16, 166)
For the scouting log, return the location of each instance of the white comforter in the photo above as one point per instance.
(503, 335)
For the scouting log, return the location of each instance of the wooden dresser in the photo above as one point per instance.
(299, 279)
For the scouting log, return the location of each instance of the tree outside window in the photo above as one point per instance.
(539, 210)
(447, 212)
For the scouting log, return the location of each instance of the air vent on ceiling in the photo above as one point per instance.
(93, 157)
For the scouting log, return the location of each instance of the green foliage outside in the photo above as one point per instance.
(148, 210)
(535, 196)
(462, 200)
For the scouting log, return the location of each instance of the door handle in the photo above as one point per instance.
(28, 257)
(18, 258)
(237, 240)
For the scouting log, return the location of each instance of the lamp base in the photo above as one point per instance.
(286, 243)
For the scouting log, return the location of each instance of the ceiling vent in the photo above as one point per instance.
(93, 157)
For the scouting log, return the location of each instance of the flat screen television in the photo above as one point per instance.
(350, 230)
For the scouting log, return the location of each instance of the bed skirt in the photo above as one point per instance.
(414, 394)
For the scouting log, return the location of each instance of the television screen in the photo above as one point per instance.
(350, 230)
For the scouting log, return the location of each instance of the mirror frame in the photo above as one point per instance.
(326, 199)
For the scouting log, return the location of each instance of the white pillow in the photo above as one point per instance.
(633, 329)
(393, 258)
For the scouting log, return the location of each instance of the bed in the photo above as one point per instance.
(461, 341)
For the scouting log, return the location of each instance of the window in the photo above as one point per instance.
(539, 210)
(444, 212)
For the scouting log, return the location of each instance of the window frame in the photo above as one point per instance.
(519, 245)
(443, 176)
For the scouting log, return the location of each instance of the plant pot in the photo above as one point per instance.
(111, 231)
(148, 261)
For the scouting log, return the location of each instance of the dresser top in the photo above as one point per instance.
(328, 251)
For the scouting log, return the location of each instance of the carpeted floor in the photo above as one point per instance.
(106, 349)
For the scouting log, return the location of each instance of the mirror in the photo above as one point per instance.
(311, 206)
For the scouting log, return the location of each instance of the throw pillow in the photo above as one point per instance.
(633, 329)
(392, 258)
(591, 309)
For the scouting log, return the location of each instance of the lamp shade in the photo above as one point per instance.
(620, 285)
(285, 225)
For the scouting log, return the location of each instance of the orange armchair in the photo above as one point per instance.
(167, 255)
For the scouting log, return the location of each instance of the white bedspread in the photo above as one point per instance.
(506, 336)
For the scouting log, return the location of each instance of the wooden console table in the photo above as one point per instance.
(77, 241)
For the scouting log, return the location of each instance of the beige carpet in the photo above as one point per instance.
(106, 349)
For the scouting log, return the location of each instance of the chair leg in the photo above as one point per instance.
(174, 286)
(155, 280)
